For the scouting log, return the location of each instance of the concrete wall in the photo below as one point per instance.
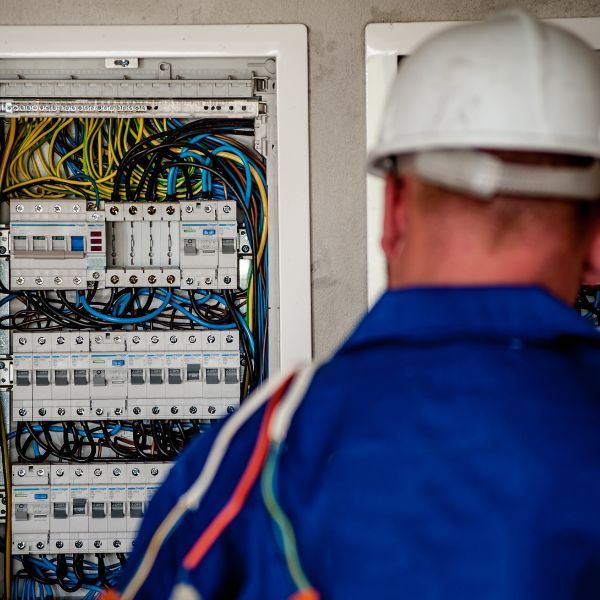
(337, 108)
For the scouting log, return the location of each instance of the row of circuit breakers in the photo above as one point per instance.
(80, 375)
(68, 244)
(81, 508)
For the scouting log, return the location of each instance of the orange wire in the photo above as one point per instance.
(215, 529)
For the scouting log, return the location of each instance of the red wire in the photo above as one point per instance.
(226, 515)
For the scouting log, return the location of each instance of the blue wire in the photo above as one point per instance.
(128, 320)
(7, 299)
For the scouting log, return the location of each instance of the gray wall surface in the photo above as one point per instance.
(337, 108)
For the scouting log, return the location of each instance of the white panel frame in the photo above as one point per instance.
(288, 45)
(384, 43)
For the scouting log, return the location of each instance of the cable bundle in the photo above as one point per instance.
(35, 581)
(87, 441)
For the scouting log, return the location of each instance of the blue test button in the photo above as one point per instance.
(77, 243)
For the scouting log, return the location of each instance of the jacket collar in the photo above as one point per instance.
(422, 315)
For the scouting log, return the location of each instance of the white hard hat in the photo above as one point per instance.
(507, 83)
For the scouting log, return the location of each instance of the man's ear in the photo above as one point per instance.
(591, 267)
(395, 218)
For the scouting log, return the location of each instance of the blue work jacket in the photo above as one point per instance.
(449, 450)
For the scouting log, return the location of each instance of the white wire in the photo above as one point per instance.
(192, 498)
(280, 423)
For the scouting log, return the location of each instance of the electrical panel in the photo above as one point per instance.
(135, 290)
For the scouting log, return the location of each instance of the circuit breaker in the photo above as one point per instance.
(136, 287)
(65, 509)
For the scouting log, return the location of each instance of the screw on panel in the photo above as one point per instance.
(40, 472)
(152, 279)
(79, 339)
(133, 279)
(76, 208)
(155, 410)
(114, 279)
(118, 339)
(19, 208)
(60, 472)
(227, 209)
(59, 544)
(95, 217)
(121, 62)
(192, 339)
(173, 339)
(97, 472)
(95, 275)
(193, 410)
(229, 339)
(116, 543)
(135, 472)
(78, 472)
(118, 412)
(207, 208)
(21, 472)
(170, 279)
(170, 210)
(57, 208)
(38, 208)
(76, 280)
(227, 279)
(137, 410)
(78, 544)
(22, 412)
(133, 210)
(135, 339)
(40, 545)
(152, 210)
(154, 471)
(116, 472)
(60, 340)
(154, 339)
(99, 412)
(98, 339)
(39, 280)
(174, 410)
(97, 544)
(22, 341)
(211, 339)
(230, 410)
(61, 412)
(189, 208)
(212, 410)
(41, 340)
(20, 281)
(80, 411)
(21, 545)
(208, 280)
(114, 210)
(189, 280)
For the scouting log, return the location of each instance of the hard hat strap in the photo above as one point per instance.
(483, 175)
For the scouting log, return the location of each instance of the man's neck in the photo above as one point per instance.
(474, 269)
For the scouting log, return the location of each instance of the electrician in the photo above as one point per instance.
(451, 447)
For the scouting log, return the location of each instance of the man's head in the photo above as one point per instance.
(490, 147)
